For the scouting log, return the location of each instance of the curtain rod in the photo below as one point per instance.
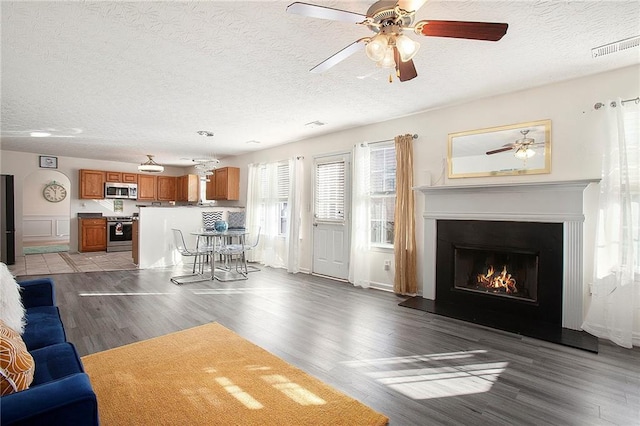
(415, 136)
(613, 104)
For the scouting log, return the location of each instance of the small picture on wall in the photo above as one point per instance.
(47, 162)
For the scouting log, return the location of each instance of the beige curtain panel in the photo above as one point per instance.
(404, 243)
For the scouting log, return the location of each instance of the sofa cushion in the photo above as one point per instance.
(16, 364)
(44, 327)
(37, 292)
(11, 309)
(55, 362)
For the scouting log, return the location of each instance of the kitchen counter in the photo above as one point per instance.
(156, 247)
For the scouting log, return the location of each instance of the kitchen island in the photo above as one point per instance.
(155, 245)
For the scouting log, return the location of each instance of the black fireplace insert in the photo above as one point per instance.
(511, 270)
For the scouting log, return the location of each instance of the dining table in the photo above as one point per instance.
(220, 240)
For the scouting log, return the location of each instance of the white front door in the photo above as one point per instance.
(331, 216)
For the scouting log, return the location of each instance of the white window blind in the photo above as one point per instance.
(283, 180)
(383, 170)
(383, 194)
(274, 193)
(283, 196)
(330, 191)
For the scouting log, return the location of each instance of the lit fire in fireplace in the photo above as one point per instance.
(500, 281)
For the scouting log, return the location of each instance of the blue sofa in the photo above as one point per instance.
(61, 393)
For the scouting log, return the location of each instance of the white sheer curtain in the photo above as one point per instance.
(614, 312)
(254, 208)
(359, 264)
(274, 192)
(296, 181)
(263, 210)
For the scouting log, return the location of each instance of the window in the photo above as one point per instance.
(283, 197)
(274, 193)
(383, 194)
(330, 191)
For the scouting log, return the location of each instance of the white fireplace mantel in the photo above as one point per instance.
(553, 202)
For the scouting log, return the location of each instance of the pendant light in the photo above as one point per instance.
(150, 166)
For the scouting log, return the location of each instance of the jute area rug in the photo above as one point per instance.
(208, 375)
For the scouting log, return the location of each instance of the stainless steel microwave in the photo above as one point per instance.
(121, 190)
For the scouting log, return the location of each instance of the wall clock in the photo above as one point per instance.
(54, 192)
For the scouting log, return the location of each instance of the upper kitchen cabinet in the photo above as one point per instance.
(224, 184)
(166, 188)
(187, 188)
(147, 187)
(122, 177)
(92, 184)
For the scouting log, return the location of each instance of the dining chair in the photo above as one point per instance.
(252, 239)
(199, 253)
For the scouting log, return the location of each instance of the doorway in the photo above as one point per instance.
(46, 216)
(331, 230)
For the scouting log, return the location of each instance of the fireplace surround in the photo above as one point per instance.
(504, 267)
(556, 207)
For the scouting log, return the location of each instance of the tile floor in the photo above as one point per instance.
(65, 262)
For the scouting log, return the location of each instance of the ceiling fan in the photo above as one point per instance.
(522, 146)
(389, 47)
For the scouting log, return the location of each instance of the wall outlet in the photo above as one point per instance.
(387, 265)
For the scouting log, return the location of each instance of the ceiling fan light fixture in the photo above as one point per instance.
(150, 166)
(388, 61)
(524, 152)
(377, 47)
(406, 47)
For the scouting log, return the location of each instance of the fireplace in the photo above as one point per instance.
(501, 267)
(499, 271)
(508, 256)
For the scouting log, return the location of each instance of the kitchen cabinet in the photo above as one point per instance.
(92, 184)
(92, 234)
(121, 177)
(224, 184)
(129, 178)
(166, 188)
(147, 187)
(187, 188)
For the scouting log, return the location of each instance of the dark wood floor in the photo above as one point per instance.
(415, 367)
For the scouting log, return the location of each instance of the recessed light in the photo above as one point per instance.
(253, 141)
(40, 134)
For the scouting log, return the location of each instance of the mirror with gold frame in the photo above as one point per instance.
(516, 149)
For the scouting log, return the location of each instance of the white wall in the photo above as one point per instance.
(44, 221)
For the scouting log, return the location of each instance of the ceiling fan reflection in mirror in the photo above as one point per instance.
(389, 47)
(523, 147)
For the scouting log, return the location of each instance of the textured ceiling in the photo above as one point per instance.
(118, 80)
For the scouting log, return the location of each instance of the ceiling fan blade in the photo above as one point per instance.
(495, 151)
(338, 57)
(314, 11)
(489, 31)
(411, 5)
(406, 70)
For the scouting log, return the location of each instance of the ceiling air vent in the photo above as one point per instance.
(315, 124)
(616, 46)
